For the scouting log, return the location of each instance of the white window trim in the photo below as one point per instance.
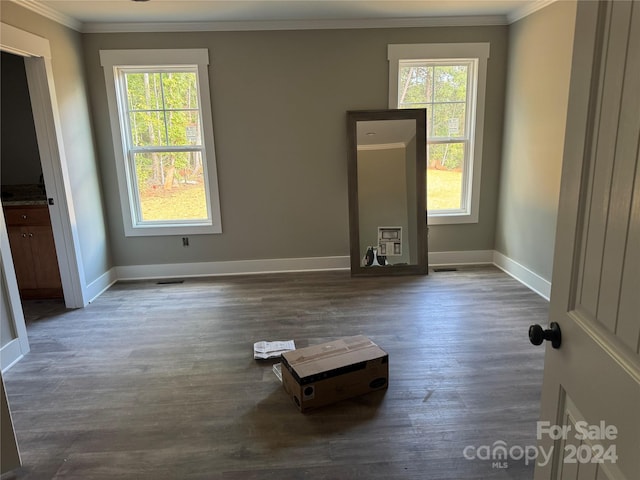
(450, 51)
(110, 60)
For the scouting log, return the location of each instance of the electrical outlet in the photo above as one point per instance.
(185, 241)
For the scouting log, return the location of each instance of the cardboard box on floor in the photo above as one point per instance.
(322, 374)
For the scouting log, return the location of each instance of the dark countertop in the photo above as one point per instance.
(18, 195)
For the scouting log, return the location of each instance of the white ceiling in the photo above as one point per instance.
(122, 15)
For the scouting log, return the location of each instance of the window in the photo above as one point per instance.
(163, 140)
(449, 81)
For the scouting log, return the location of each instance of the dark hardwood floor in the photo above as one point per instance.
(158, 381)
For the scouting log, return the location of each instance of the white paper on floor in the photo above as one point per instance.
(264, 349)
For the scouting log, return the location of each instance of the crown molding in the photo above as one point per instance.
(50, 13)
(527, 9)
(468, 21)
(230, 26)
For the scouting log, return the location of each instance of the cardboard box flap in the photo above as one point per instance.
(328, 359)
(326, 350)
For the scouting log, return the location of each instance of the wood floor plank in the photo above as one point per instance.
(158, 381)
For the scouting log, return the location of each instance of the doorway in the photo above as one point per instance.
(24, 198)
(36, 54)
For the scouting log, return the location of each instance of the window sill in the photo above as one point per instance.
(153, 231)
(451, 219)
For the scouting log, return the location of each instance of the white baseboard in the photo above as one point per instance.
(469, 257)
(276, 265)
(525, 276)
(10, 354)
(100, 284)
(281, 265)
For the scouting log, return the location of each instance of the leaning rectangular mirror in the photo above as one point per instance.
(387, 191)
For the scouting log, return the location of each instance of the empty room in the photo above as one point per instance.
(431, 208)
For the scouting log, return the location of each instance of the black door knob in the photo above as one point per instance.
(537, 334)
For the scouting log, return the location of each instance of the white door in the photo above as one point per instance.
(590, 414)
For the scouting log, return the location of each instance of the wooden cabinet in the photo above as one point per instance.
(33, 251)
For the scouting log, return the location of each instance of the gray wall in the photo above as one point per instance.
(19, 156)
(279, 101)
(80, 155)
(540, 48)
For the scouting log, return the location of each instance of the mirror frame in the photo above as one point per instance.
(420, 116)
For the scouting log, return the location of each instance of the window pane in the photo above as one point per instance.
(147, 129)
(448, 120)
(444, 176)
(171, 186)
(169, 97)
(450, 83)
(144, 91)
(416, 85)
(183, 127)
(180, 90)
(429, 108)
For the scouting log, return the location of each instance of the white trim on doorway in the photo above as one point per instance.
(37, 53)
(18, 346)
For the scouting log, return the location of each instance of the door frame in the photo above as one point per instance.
(37, 58)
(17, 347)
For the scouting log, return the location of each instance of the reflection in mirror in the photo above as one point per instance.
(387, 192)
(386, 188)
